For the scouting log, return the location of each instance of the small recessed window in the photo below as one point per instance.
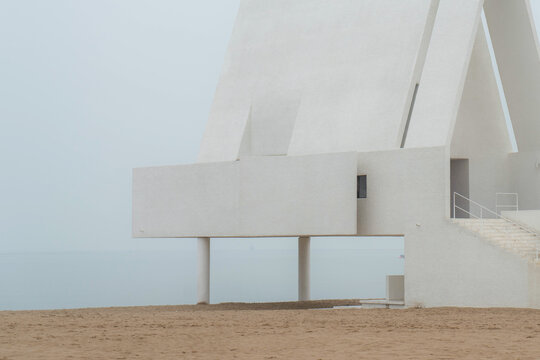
(361, 186)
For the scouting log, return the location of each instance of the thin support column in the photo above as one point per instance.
(203, 270)
(303, 268)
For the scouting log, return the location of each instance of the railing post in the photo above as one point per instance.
(482, 220)
(454, 215)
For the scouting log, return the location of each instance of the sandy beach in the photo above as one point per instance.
(270, 331)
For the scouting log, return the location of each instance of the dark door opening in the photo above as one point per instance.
(459, 188)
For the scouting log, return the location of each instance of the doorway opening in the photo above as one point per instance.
(459, 184)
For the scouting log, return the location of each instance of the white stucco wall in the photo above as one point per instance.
(480, 128)
(365, 107)
(515, 43)
(449, 266)
(481, 133)
(404, 187)
(444, 74)
(315, 195)
(524, 168)
(335, 79)
(262, 196)
(315, 76)
(445, 265)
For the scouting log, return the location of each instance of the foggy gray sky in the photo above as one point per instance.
(89, 90)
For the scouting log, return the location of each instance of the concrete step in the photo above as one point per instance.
(515, 243)
(512, 241)
(517, 247)
(517, 234)
(514, 238)
(478, 221)
(520, 248)
(499, 230)
(508, 236)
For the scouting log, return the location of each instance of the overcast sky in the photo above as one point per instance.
(89, 90)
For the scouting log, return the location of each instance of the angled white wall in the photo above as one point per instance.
(314, 76)
(480, 128)
(480, 133)
(361, 101)
(515, 43)
(444, 74)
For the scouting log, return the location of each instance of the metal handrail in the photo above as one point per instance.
(497, 216)
(507, 206)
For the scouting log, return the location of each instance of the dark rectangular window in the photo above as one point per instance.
(361, 186)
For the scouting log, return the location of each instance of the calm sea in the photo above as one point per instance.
(102, 279)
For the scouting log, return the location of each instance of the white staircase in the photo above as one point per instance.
(510, 236)
(497, 229)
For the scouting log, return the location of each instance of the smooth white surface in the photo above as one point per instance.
(450, 266)
(480, 129)
(320, 77)
(404, 187)
(304, 270)
(408, 193)
(444, 74)
(444, 265)
(481, 132)
(365, 107)
(497, 75)
(526, 178)
(515, 43)
(262, 196)
(334, 75)
(203, 270)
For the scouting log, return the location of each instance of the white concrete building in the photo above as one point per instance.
(367, 118)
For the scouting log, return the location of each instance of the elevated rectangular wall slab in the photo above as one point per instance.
(261, 196)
